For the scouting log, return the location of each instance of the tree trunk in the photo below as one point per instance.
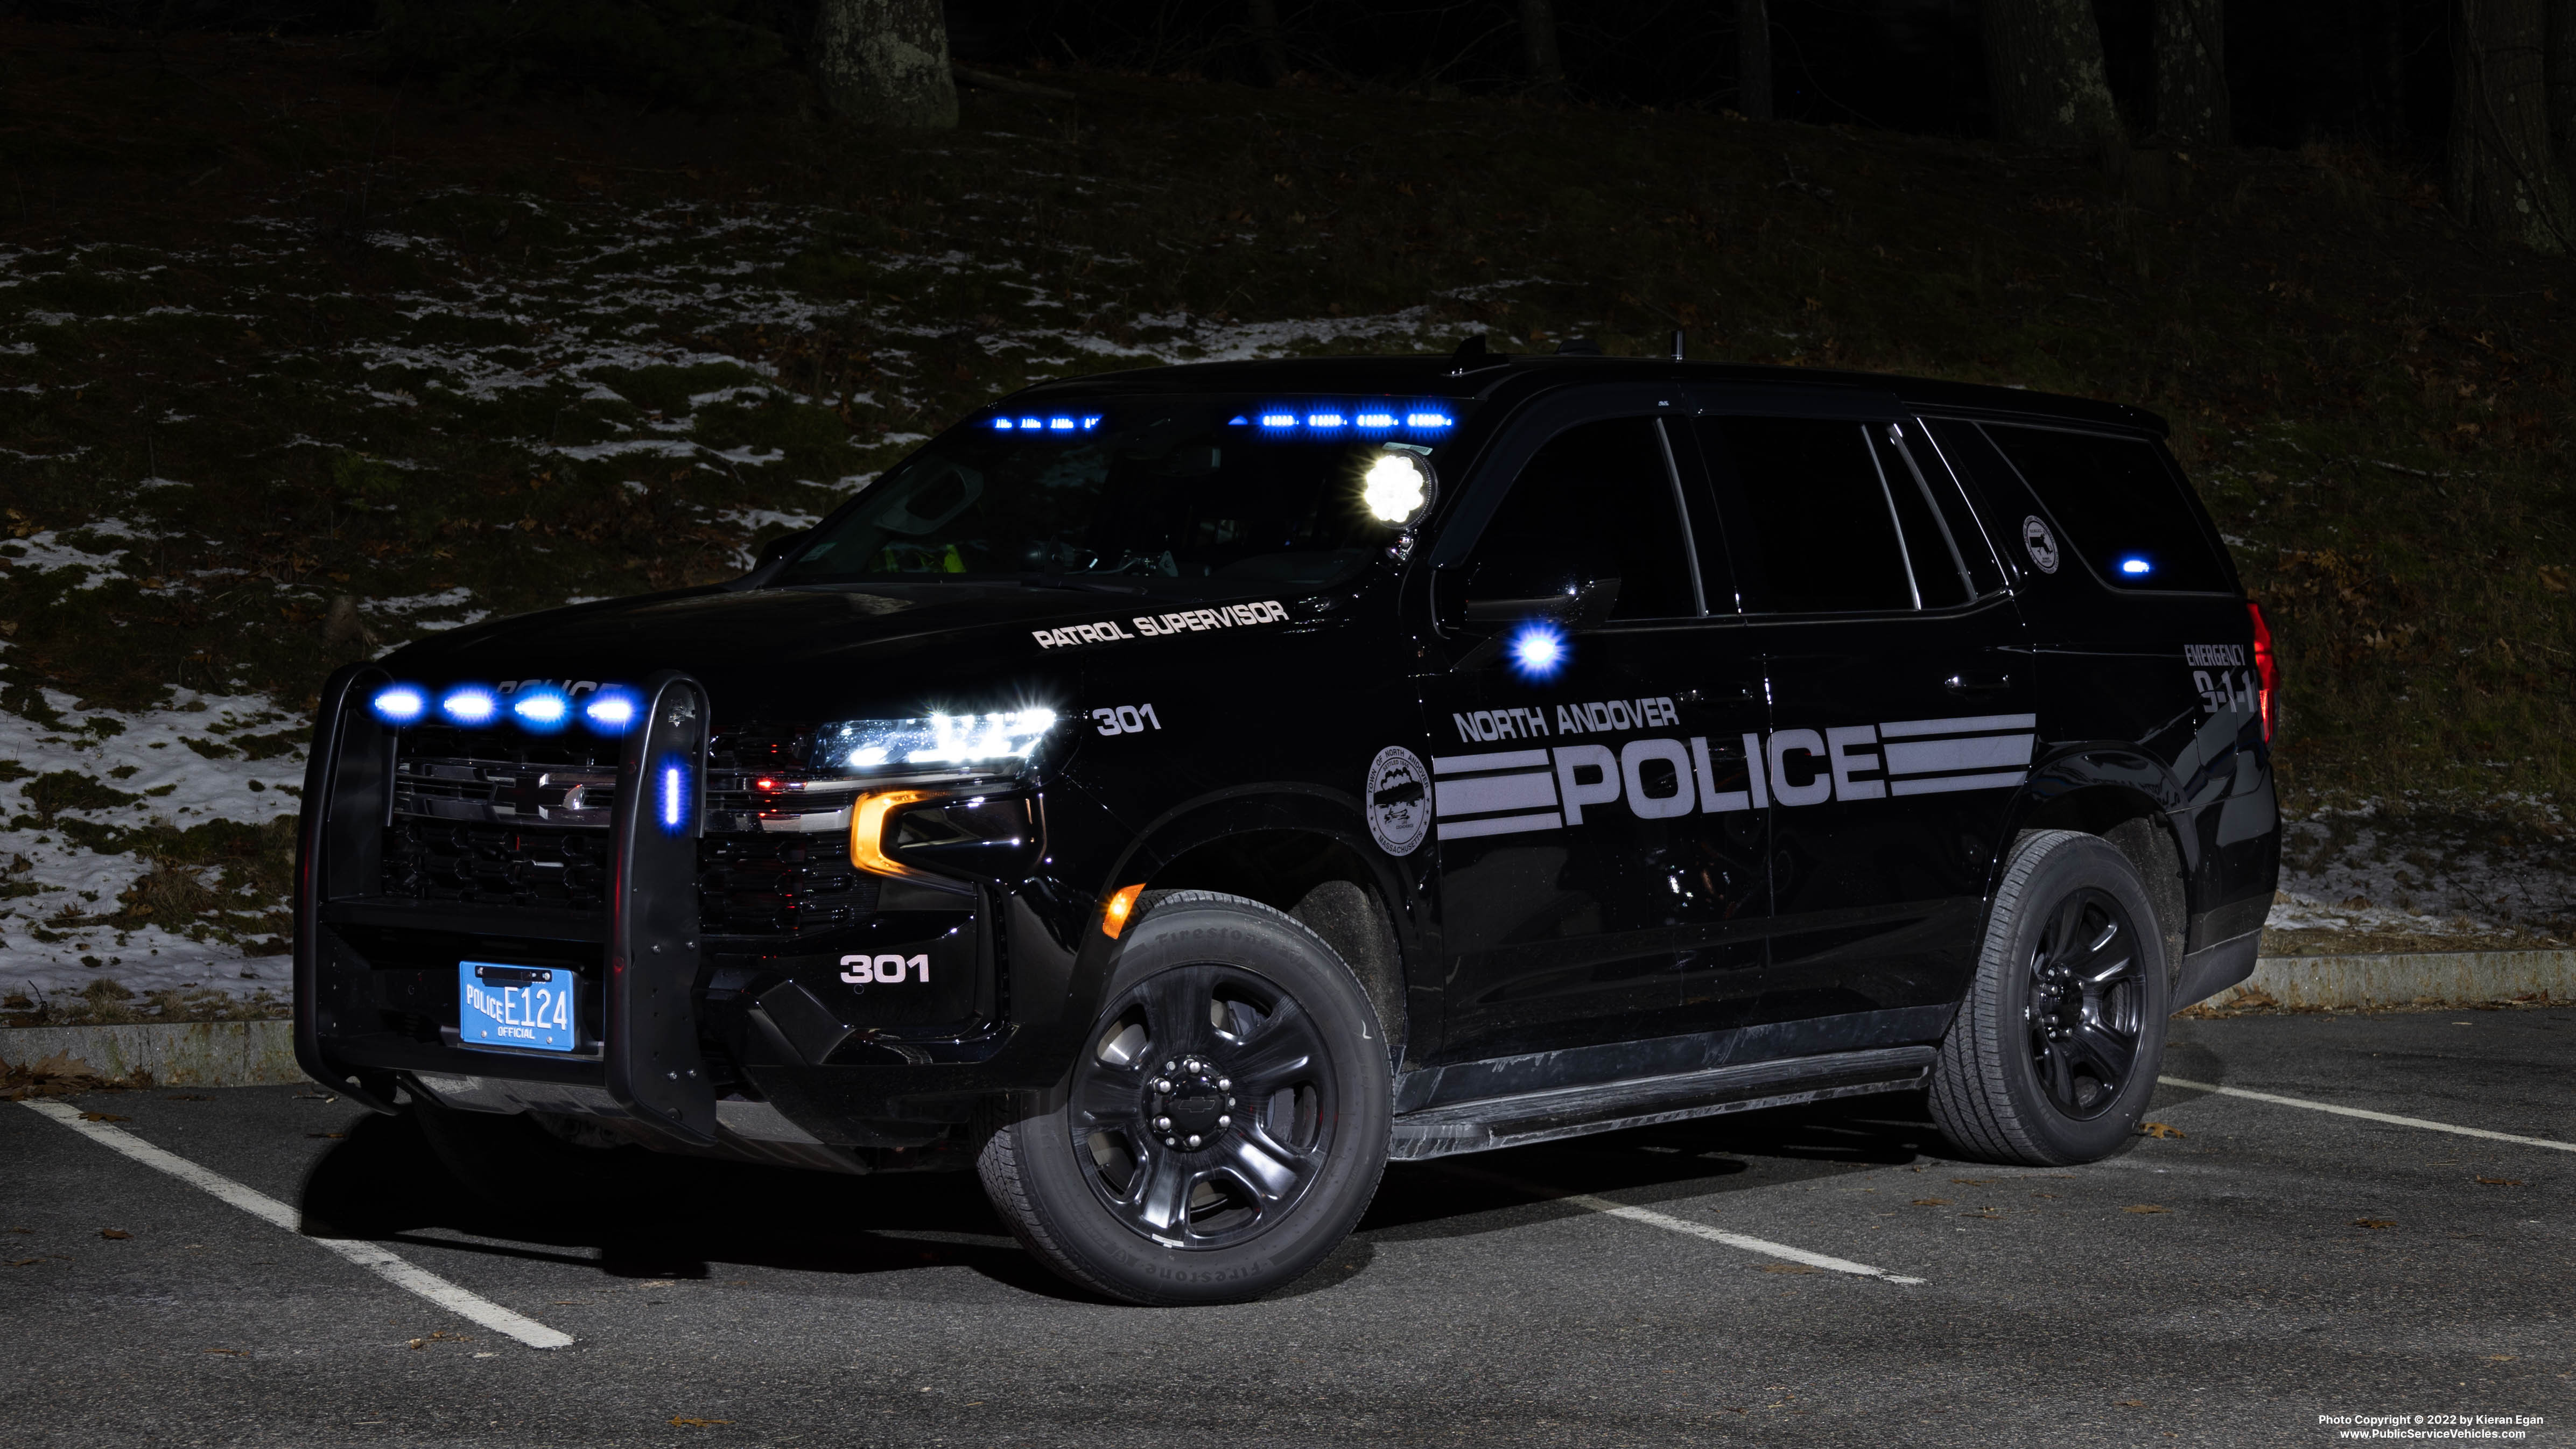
(1753, 58)
(1538, 47)
(2562, 83)
(2504, 182)
(885, 62)
(2191, 72)
(1267, 40)
(2044, 72)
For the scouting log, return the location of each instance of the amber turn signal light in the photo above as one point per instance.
(1113, 917)
(868, 828)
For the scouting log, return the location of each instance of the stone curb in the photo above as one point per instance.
(2405, 978)
(177, 1054)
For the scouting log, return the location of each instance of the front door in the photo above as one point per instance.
(1597, 832)
(1901, 716)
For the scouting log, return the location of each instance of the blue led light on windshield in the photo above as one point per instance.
(1374, 420)
(1323, 420)
(1002, 424)
(1427, 420)
(470, 706)
(1279, 420)
(399, 704)
(1538, 650)
(1059, 423)
(2136, 567)
(1032, 424)
(1318, 418)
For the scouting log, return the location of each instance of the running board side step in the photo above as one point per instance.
(1515, 1121)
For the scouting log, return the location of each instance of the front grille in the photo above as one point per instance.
(495, 818)
(438, 860)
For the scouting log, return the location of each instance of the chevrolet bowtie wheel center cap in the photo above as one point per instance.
(1189, 1102)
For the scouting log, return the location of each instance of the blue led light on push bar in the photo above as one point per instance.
(470, 705)
(399, 704)
(612, 711)
(671, 795)
(541, 708)
(2136, 567)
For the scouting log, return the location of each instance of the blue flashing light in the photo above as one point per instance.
(1279, 420)
(1002, 425)
(1240, 421)
(541, 708)
(1428, 420)
(399, 704)
(612, 711)
(1060, 425)
(1031, 425)
(1538, 650)
(1323, 420)
(1374, 420)
(1090, 421)
(671, 795)
(2136, 567)
(471, 705)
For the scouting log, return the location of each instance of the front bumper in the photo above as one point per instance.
(869, 1034)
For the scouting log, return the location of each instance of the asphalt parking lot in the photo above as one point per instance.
(2272, 1264)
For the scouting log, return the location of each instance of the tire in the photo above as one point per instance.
(1258, 1150)
(2053, 1055)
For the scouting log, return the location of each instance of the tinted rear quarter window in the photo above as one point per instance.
(2118, 507)
(1821, 533)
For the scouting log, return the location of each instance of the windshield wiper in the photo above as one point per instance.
(1089, 586)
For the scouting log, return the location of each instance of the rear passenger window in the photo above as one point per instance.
(1817, 529)
(2117, 506)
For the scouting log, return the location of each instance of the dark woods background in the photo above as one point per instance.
(2376, 72)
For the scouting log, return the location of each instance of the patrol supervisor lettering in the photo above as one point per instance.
(1504, 792)
(1185, 621)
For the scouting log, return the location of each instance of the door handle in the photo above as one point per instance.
(1977, 683)
(1749, 693)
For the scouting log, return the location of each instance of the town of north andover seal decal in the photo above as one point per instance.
(1399, 800)
(2041, 543)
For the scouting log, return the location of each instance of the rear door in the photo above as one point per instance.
(1901, 711)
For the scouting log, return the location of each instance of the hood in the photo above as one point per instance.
(808, 653)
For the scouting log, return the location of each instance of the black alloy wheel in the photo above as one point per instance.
(2053, 1053)
(1225, 1124)
(1206, 1109)
(2084, 1004)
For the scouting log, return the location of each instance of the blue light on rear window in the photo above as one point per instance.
(2136, 567)
(1279, 420)
(1002, 424)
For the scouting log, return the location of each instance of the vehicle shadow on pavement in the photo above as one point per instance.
(1488, 1192)
(645, 1215)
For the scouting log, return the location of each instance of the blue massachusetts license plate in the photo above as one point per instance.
(514, 1006)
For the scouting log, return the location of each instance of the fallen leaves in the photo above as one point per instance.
(2145, 1207)
(228, 1352)
(2497, 1181)
(2133, 1403)
(1931, 1202)
(25, 1262)
(2160, 1130)
(116, 1234)
(677, 1422)
(1786, 1268)
(103, 1117)
(441, 1336)
(2374, 1224)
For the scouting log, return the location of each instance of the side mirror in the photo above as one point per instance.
(779, 548)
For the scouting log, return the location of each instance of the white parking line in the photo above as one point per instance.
(1669, 1223)
(2366, 1115)
(397, 1271)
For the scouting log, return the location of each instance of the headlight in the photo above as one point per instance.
(941, 741)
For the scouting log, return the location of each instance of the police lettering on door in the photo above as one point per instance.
(1502, 792)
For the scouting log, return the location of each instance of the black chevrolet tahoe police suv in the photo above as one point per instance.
(1176, 793)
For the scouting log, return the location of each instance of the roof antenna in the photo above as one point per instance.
(1677, 344)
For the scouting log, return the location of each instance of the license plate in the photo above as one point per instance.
(514, 1006)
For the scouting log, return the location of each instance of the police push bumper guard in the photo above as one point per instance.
(649, 1057)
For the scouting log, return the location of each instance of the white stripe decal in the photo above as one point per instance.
(1499, 825)
(1943, 784)
(1975, 752)
(1497, 760)
(395, 1270)
(1984, 724)
(1528, 790)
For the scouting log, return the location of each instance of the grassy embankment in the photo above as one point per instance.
(445, 360)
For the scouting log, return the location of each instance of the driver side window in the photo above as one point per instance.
(1600, 499)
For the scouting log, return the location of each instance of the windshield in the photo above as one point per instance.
(1259, 491)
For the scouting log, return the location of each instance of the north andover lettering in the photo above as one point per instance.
(1147, 626)
(1504, 792)
(1596, 717)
